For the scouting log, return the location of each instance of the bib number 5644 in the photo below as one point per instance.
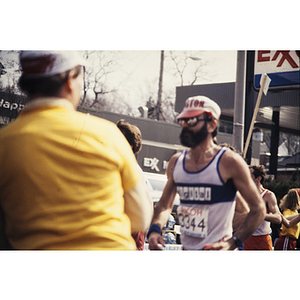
(193, 221)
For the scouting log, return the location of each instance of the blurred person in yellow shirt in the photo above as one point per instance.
(68, 180)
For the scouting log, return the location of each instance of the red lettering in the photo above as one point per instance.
(196, 103)
(261, 57)
(201, 104)
(185, 210)
(285, 56)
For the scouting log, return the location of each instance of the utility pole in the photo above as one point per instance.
(249, 99)
(239, 101)
(274, 142)
(160, 83)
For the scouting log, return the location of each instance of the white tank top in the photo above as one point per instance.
(207, 203)
(264, 228)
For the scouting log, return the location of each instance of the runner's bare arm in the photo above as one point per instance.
(164, 206)
(139, 206)
(239, 172)
(290, 221)
(274, 216)
(232, 166)
(240, 213)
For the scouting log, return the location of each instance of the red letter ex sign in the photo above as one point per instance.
(281, 66)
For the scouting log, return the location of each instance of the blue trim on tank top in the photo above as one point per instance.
(190, 172)
(218, 162)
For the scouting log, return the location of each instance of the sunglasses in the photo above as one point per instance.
(190, 121)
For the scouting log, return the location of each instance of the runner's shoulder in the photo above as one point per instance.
(233, 162)
(230, 157)
(175, 156)
(172, 162)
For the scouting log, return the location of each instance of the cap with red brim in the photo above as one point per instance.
(197, 105)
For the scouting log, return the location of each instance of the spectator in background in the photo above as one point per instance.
(289, 204)
(132, 134)
(241, 206)
(134, 137)
(261, 239)
(68, 180)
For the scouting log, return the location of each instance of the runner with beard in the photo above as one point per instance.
(206, 177)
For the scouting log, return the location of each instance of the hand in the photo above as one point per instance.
(156, 241)
(226, 243)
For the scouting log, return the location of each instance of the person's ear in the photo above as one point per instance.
(71, 78)
(211, 126)
(258, 179)
(69, 82)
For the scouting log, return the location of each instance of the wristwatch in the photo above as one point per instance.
(237, 241)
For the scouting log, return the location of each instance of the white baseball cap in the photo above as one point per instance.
(197, 105)
(48, 63)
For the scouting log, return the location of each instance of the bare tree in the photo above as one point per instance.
(292, 143)
(168, 107)
(102, 63)
(184, 60)
(9, 59)
(180, 65)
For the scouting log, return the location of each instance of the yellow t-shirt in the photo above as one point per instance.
(293, 231)
(63, 175)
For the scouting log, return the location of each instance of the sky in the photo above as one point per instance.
(141, 72)
(136, 73)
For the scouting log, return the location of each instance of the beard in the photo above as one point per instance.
(191, 139)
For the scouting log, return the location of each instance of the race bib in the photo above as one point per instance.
(193, 221)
